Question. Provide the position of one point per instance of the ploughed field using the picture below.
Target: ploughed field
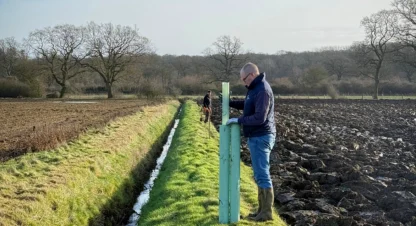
(35, 125)
(343, 162)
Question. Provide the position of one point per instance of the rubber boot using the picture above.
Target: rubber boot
(266, 213)
(253, 215)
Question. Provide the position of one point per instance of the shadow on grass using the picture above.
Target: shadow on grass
(118, 208)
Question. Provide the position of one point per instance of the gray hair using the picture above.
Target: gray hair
(250, 68)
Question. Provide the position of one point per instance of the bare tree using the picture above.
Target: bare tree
(60, 49)
(405, 60)
(183, 65)
(406, 10)
(336, 62)
(225, 58)
(10, 53)
(380, 29)
(268, 65)
(111, 49)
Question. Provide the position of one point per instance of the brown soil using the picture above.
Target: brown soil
(36, 125)
(343, 162)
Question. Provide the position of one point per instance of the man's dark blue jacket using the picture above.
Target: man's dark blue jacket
(258, 106)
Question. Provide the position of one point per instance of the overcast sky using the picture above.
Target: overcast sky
(190, 26)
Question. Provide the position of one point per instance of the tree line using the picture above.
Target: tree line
(112, 59)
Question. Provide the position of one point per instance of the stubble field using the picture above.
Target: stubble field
(29, 126)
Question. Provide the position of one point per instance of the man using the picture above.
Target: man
(207, 105)
(259, 128)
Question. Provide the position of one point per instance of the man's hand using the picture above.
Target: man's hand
(232, 120)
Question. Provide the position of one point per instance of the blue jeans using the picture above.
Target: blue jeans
(260, 148)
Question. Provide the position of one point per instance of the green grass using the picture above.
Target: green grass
(186, 191)
(91, 181)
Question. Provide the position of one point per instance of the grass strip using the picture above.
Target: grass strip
(186, 191)
(91, 181)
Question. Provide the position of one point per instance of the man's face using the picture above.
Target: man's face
(247, 78)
